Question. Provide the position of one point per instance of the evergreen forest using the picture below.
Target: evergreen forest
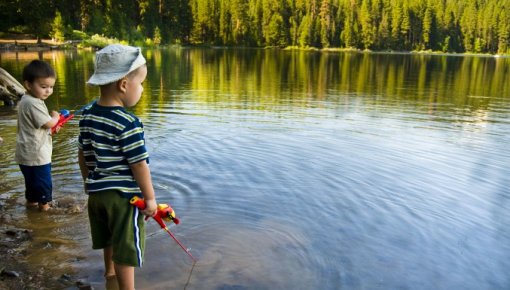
(459, 26)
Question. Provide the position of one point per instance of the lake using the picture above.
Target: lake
(297, 170)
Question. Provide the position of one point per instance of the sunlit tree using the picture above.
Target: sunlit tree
(58, 28)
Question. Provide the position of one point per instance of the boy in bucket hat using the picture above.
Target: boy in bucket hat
(114, 162)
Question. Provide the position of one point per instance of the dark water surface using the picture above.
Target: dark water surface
(299, 170)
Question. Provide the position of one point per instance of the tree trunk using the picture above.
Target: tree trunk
(10, 89)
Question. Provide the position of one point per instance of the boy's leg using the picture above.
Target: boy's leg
(38, 185)
(28, 176)
(111, 282)
(101, 236)
(109, 270)
(125, 276)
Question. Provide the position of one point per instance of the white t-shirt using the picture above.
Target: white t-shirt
(33, 143)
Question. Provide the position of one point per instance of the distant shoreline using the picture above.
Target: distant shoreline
(33, 45)
(29, 44)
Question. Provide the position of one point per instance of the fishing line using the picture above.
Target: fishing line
(192, 265)
(189, 276)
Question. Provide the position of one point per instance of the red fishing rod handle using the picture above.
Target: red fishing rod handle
(138, 202)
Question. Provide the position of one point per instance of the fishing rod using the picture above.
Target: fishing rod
(65, 115)
(164, 212)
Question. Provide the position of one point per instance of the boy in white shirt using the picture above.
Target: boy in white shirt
(33, 141)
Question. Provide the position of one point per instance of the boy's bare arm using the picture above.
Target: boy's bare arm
(83, 166)
(53, 121)
(142, 175)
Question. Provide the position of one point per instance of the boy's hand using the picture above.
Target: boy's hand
(54, 120)
(151, 207)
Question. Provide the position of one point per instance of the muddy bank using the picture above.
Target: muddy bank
(41, 250)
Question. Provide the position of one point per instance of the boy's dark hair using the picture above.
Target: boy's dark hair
(37, 69)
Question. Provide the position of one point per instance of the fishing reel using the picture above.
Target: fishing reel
(164, 211)
(63, 116)
(167, 213)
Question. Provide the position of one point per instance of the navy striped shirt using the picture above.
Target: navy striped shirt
(111, 139)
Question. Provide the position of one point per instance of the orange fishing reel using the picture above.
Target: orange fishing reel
(167, 213)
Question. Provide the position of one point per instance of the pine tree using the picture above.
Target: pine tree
(367, 28)
(58, 28)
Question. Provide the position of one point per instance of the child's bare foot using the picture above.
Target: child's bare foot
(44, 206)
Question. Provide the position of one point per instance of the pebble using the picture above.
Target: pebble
(8, 273)
(82, 285)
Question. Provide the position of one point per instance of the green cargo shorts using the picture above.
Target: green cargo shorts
(115, 222)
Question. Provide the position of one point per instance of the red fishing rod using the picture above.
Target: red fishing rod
(164, 212)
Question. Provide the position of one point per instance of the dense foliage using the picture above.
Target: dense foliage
(438, 25)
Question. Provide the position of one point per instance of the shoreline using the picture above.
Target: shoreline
(29, 44)
(15, 45)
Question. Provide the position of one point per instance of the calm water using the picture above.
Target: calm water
(299, 170)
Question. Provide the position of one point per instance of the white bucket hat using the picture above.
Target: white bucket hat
(115, 62)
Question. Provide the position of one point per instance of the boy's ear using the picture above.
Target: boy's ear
(122, 85)
(27, 85)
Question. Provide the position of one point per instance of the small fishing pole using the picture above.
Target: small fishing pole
(65, 115)
(164, 212)
(81, 108)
